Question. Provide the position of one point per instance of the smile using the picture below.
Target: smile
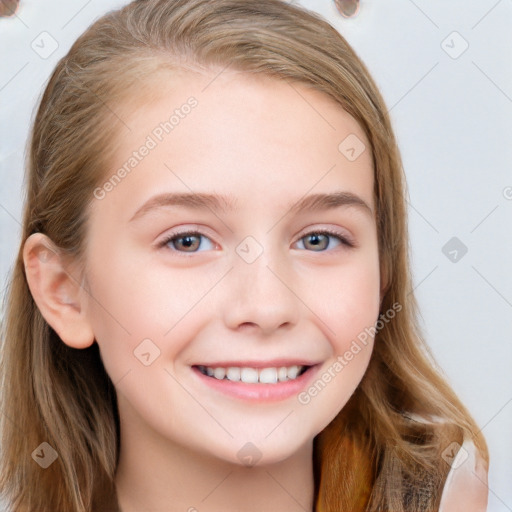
(253, 375)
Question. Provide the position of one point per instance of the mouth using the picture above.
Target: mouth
(257, 382)
(250, 375)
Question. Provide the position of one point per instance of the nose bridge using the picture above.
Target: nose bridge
(259, 290)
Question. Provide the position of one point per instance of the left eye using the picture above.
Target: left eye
(320, 240)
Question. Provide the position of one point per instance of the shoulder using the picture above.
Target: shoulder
(465, 488)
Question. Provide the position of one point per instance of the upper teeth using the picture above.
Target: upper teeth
(253, 375)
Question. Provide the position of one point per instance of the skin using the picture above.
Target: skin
(267, 143)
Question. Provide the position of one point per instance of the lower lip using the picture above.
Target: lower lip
(259, 392)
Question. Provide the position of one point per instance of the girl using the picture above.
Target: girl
(212, 307)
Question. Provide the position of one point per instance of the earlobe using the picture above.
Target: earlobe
(57, 293)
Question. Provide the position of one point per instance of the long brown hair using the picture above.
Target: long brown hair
(375, 455)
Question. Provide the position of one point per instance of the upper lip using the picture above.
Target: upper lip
(274, 363)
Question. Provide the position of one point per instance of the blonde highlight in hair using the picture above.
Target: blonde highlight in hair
(375, 455)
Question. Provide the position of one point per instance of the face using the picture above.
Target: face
(254, 280)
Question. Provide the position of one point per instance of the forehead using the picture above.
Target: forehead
(254, 135)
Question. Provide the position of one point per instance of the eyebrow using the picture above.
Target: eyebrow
(317, 202)
(198, 201)
(221, 203)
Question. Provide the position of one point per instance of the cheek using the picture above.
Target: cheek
(132, 301)
(350, 300)
(125, 308)
(349, 310)
(355, 309)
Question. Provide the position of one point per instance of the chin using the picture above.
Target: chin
(264, 452)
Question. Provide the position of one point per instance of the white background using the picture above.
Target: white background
(453, 118)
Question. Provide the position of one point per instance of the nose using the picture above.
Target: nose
(259, 296)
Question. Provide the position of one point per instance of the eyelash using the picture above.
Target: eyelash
(177, 235)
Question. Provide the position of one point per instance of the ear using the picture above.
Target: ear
(57, 293)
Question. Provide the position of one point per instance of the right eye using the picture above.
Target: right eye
(185, 241)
